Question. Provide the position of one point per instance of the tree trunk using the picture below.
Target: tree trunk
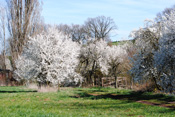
(39, 85)
(155, 82)
(102, 82)
(116, 82)
(4, 47)
(21, 21)
(93, 81)
(58, 86)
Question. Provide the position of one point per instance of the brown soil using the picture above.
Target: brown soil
(156, 104)
(170, 105)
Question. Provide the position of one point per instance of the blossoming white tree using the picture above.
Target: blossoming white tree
(155, 57)
(91, 56)
(97, 57)
(49, 57)
(165, 57)
(146, 41)
(115, 56)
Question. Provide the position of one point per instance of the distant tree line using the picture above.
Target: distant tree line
(97, 28)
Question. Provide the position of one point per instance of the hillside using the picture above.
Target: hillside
(121, 42)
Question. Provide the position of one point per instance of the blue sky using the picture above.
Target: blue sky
(127, 14)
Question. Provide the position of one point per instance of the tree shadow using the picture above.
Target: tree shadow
(132, 97)
(17, 91)
(94, 89)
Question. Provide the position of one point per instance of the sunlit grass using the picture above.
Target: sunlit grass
(17, 101)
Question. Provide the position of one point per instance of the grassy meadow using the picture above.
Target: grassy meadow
(83, 102)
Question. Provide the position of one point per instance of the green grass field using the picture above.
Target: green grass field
(80, 102)
(122, 42)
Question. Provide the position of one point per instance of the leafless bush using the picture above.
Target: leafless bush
(42, 88)
(145, 87)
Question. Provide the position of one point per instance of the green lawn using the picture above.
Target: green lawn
(79, 102)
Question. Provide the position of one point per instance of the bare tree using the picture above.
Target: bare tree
(22, 18)
(114, 69)
(100, 27)
(78, 33)
(94, 28)
(3, 34)
(75, 32)
(65, 29)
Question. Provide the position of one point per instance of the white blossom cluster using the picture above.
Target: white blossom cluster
(165, 57)
(155, 57)
(49, 57)
(102, 54)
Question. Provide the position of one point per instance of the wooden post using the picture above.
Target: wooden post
(126, 82)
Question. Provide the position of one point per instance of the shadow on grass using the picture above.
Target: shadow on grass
(17, 91)
(95, 90)
(132, 96)
(141, 97)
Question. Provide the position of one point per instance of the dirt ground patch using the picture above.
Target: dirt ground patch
(168, 104)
